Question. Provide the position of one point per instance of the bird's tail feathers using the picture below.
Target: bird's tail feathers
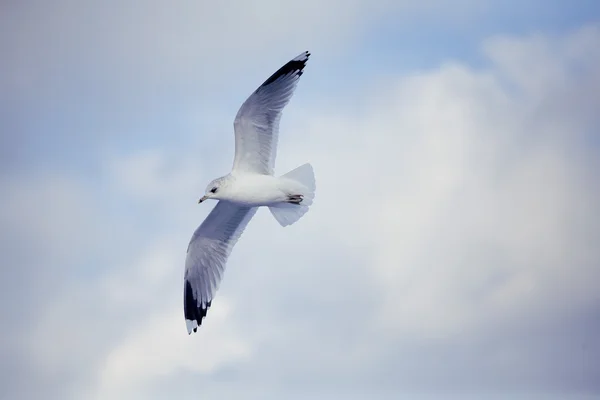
(288, 213)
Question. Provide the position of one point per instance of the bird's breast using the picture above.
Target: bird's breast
(255, 191)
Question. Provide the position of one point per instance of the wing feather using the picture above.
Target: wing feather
(256, 124)
(207, 255)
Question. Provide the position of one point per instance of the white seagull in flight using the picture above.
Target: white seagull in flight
(249, 185)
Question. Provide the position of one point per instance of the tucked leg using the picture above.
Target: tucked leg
(294, 198)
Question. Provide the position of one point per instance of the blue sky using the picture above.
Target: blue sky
(461, 263)
(390, 45)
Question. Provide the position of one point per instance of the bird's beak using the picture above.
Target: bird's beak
(202, 199)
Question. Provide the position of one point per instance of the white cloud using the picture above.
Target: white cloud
(461, 209)
(454, 213)
(53, 235)
(158, 347)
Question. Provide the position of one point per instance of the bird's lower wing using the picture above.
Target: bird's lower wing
(207, 255)
(256, 124)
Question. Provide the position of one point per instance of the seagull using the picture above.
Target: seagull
(250, 184)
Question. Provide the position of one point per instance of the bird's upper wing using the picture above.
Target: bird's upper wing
(207, 255)
(256, 124)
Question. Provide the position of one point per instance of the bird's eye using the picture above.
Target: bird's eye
(213, 190)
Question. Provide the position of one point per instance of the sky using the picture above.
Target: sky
(451, 251)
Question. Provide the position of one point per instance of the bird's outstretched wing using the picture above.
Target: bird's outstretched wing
(207, 255)
(256, 124)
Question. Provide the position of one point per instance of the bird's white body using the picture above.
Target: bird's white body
(250, 184)
(252, 190)
(256, 190)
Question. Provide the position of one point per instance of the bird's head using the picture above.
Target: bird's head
(212, 190)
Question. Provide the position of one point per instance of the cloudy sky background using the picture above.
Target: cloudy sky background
(452, 250)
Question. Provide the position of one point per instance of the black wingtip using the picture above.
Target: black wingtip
(293, 67)
(193, 312)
